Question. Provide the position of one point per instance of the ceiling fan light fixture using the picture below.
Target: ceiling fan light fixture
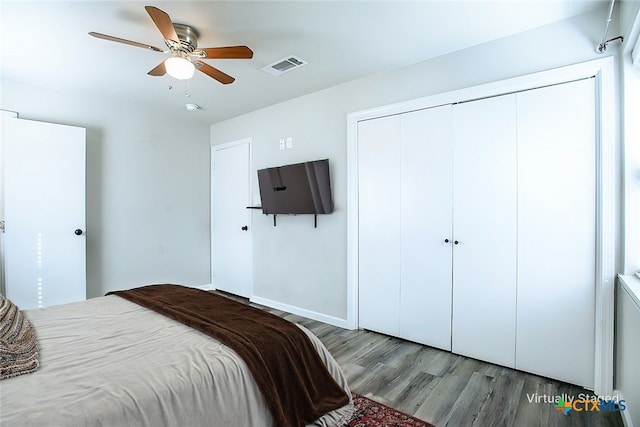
(179, 68)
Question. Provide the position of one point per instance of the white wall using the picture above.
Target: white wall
(627, 372)
(303, 267)
(627, 376)
(630, 23)
(147, 187)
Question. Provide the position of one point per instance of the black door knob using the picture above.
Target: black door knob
(245, 228)
(78, 232)
(446, 240)
(455, 242)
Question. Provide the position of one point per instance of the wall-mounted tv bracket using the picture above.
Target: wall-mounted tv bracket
(315, 220)
(315, 216)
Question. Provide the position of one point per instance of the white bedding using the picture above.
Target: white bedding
(109, 362)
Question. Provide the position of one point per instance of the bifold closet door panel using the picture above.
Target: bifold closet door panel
(484, 218)
(379, 225)
(426, 199)
(557, 232)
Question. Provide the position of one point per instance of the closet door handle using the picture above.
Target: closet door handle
(446, 240)
(455, 242)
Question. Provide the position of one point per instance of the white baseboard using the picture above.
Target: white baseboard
(309, 314)
(626, 414)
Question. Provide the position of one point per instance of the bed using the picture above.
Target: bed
(109, 361)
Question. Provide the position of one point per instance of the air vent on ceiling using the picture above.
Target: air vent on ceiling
(282, 66)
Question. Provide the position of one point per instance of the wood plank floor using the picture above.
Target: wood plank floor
(443, 388)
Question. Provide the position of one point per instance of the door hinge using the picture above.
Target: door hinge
(1, 226)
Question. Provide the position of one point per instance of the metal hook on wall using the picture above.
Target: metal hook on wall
(602, 47)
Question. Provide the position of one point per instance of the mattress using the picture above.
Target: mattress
(98, 370)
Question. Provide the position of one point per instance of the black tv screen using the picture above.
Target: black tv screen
(301, 188)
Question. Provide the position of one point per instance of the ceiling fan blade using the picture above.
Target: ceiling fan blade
(213, 72)
(163, 22)
(129, 42)
(229, 52)
(159, 70)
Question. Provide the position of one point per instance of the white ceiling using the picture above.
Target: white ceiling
(45, 43)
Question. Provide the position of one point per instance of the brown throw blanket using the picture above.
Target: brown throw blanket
(18, 345)
(294, 381)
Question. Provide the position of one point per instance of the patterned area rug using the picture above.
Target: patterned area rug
(369, 413)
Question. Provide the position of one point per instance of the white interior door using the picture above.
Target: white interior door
(232, 266)
(426, 218)
(557, 231)
(484, 212)
(44, 198)
(379, 225)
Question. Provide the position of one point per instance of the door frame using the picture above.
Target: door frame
(603, 71)
(249, 142)
(4, 114)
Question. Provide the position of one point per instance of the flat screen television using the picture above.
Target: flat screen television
(301, 188)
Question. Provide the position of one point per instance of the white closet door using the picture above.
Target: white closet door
(484, 265)
(557, 231)
(425, 297)
(379, 227)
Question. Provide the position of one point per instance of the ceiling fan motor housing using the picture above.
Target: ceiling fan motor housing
(188, 40)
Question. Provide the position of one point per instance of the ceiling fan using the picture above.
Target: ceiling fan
(182, 41)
